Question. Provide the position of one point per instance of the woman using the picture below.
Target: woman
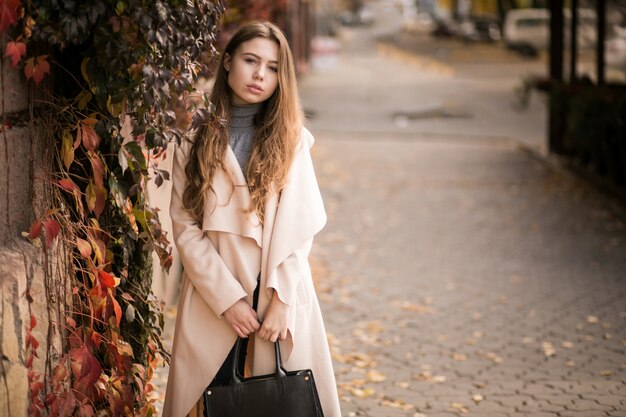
(246, 205)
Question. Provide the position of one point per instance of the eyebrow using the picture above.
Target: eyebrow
(257, 56)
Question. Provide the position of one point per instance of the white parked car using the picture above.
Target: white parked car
(529, 29)
(615, 51)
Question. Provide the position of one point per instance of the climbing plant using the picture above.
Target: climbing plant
(108, 81)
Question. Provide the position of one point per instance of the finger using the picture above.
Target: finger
(239, 332)
(274, 337)
(283, 335)
(254, 325)
(261, 332)
(246, 328)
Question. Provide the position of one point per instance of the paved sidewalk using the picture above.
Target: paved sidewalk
(465, 278)
(459, 274)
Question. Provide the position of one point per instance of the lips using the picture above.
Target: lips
(255, 88)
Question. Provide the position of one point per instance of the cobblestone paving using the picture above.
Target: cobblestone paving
(461, 278)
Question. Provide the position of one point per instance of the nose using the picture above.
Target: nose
(260, 74)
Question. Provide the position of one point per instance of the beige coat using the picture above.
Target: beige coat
(222, 262)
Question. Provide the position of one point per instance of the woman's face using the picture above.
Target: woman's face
(252, 71)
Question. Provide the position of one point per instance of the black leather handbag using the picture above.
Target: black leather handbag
(281, 394)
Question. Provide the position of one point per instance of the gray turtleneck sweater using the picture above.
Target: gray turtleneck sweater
(241, 132)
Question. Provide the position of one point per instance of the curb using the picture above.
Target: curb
(560, 163)
(429, 64)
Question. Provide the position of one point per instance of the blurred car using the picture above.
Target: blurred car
(528, 30)
(364, 16)
(615, 49)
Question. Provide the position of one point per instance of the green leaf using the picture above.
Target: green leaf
(120, 7)
(135, 151)
(83, 98)
(67, 148)
(90, 195)
(83, 69)
(117, 191)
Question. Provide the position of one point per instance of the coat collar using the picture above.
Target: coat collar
(226, 206)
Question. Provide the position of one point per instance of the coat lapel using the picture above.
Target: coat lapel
(225, 208)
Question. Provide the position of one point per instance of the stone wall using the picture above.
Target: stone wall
(21, 263)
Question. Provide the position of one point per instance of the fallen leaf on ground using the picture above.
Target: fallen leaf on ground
(592, 319)
(494, 358)
(477, 398)
(567, 345)
(415, 308)
(459, 357)
(548, 349)
(570, 364)
(376, 376)
(459, 407)
(393, 403)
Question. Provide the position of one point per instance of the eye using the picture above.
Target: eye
(274, 69)
(250, 60)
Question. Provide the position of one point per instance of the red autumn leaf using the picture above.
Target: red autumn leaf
(98, 169)
(85, 367)
(15, 50)
(101, 195)
(29, 361)
(35, 230)
(33, 321)
(89, 136)
(59, 373)
(116, 308)
(83, 247)
(67, 184)
(70, 322)
(36, 68)
(35, 387)
(52, 230)
(31, 341)
(96, 338)
(126, 296)
(105, 279)
(68, 405)
(8, 13)
(85, 410)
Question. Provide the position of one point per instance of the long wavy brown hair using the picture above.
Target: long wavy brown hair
(277, 129)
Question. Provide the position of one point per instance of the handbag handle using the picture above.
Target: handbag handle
(280, 371)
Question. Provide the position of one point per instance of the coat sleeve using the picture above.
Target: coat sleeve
(204, 267)
(285, 279)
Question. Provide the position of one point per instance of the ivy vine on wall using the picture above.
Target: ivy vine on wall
(106, 73)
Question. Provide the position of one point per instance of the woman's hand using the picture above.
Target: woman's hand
(274, 325)
(242, 318)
